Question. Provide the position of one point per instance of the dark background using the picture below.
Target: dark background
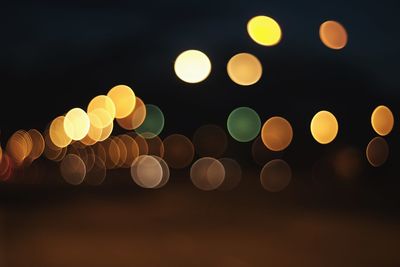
(56, 55)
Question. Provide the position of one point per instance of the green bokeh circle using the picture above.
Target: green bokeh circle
(153, 123)
(244, 124)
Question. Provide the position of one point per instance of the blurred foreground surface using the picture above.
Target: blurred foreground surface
(179, 225)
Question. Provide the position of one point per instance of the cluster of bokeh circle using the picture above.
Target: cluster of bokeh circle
(81, 140)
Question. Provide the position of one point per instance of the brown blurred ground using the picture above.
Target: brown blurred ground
(181, 226)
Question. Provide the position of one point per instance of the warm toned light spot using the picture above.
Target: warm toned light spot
(105, 103)
(124, 100)
(324, 127)
(277, 133)
(132, 150)
(95, 130)
(179, 151)
(382, 120)
(207, 174)
(37, 144)
(244, 124)
(244, 69)
(377, 151)
(142, 145)
(100, 118)
(123, 152)
(210, 141)
(76, 124)
(106, 132)
(264, 30)
(146, 171)
(57, 133)
(112, 153)
(73, 169)
(275, 175)
(192, 66)
(166, 172)
(18, 147)
(135, 118)
(333, 34)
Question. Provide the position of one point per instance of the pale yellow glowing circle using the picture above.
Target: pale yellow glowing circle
(324, 127)
(244, 69)
(264, 30)
(382, 120)
(333, 34)
(57, 133)
(103, 102)
(76, 124)
(124, 100)
(192, 66)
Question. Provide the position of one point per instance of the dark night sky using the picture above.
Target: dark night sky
(56, 55)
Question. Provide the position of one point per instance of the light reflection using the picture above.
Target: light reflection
(377, 151)
(207, 173)
(147, 172)
(73, 169)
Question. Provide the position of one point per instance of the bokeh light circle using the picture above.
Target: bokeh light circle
(76, 124)
(275, 175)
(377, 151)
(146, 171)
(324, 127)
(277, 133)
(73, 169)
(37, 144)
(382, 120)
(333, 34)
(179, 151)
(124, 100)
(207, 173)
(153, 123)
(192, 66)
(135, 118)
(105, 103)
(244, 124)
(244, 69)
(264, 30)
(57, 133)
